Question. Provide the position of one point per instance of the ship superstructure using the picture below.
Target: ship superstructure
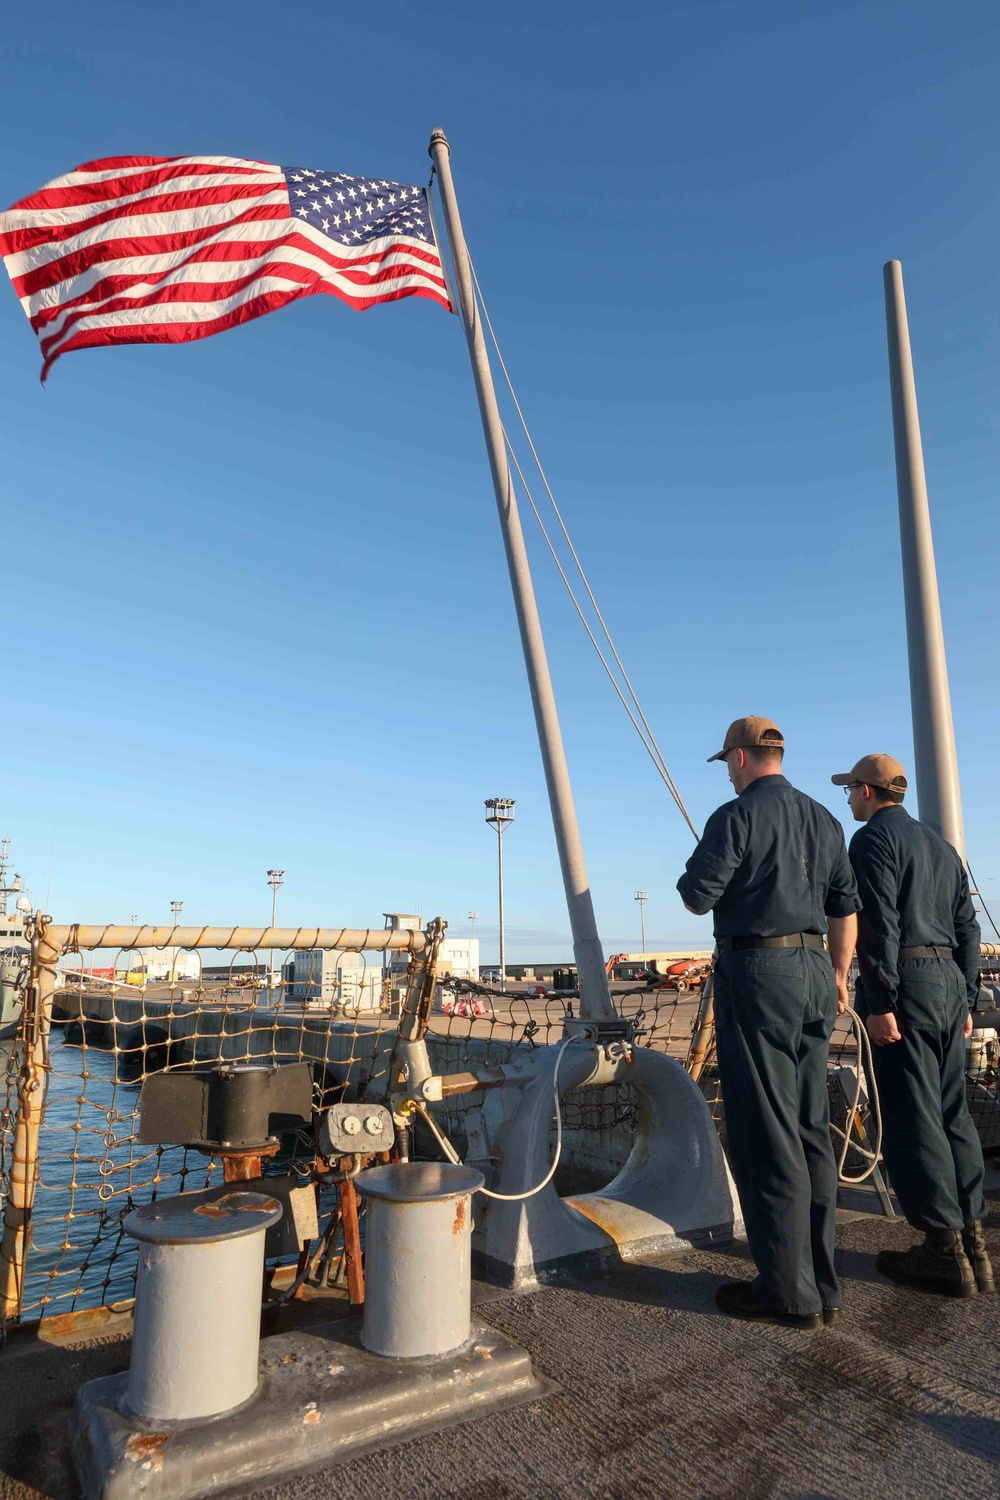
(15, 909)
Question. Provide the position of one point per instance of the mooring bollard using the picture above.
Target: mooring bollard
(196, 1335)
(418, 1258)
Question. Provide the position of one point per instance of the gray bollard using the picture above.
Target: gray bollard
(418, 1258)
(196, 1335)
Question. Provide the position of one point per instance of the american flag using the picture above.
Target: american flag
(154, 249)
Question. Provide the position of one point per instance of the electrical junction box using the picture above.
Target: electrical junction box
(356, 1130)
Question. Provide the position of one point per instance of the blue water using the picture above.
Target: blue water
(92, 1173)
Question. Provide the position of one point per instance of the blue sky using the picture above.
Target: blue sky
(254, 598)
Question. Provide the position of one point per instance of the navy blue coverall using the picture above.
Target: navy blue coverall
(773, 863)
(915, 894)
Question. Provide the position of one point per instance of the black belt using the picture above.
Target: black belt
(926, 953)
(792, 940)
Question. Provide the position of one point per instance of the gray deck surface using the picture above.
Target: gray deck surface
(661, 1396)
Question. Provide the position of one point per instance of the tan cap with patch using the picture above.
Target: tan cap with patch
(751, 733)
(882, 771)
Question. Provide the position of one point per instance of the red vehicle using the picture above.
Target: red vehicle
(687, 974)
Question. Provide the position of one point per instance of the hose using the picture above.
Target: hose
(453, 1155)
(872, 1157)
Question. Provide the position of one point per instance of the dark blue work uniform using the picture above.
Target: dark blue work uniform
(773, 863)
(915, 894)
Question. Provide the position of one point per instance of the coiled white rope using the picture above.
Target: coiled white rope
(872, 1157)
(453, 1155)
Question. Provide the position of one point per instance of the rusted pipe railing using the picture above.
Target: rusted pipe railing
(420, 991)
(33, 1044)
(75, 937)
(704, 1028)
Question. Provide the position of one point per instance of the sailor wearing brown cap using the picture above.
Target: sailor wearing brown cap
(773, 869)
(918, 953)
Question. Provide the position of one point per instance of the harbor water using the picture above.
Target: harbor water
(92, 1173)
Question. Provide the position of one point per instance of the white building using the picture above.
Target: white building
(459, 957)
(324, 979)
(165, 963)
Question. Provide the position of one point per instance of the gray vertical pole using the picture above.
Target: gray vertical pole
(274, 923)
(935, 757)
(595, 996)
(503, 946)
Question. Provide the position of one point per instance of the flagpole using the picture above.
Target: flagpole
(935, 756)
(595, 994)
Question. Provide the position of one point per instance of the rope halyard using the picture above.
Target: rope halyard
(645, 733)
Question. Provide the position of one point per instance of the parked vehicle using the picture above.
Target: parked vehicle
(688, 974)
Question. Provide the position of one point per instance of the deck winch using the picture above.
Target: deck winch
(234, 1110)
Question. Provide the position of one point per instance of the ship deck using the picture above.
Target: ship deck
(659, 1395)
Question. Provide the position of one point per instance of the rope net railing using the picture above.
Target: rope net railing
(489, 1027)
(117, 1016)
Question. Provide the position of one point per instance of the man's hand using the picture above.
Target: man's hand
(883, 1029)
(967, 1028)
(842, 938)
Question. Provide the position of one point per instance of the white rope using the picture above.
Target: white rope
(872, 1157)
(652, 748)
(453, 1155)
(648, 738)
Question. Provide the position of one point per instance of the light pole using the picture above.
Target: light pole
(642, 897)
(275, 879)
(500, 813)
(473, 918)
(176, 908)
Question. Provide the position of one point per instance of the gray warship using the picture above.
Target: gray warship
(14, 946)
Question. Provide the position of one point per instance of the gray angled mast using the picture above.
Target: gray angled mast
(934, 753)
(595, 995)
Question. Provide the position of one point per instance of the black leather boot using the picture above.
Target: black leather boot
(974, 1242)
(939, 1265)
(738, 1299)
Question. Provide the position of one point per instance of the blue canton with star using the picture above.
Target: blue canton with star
(356, 210)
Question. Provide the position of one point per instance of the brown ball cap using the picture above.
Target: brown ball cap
(881, 771)
(751, 733)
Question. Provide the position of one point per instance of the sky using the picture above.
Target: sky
(255, 605)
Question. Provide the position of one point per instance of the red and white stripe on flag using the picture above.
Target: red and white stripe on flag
(148, 249)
